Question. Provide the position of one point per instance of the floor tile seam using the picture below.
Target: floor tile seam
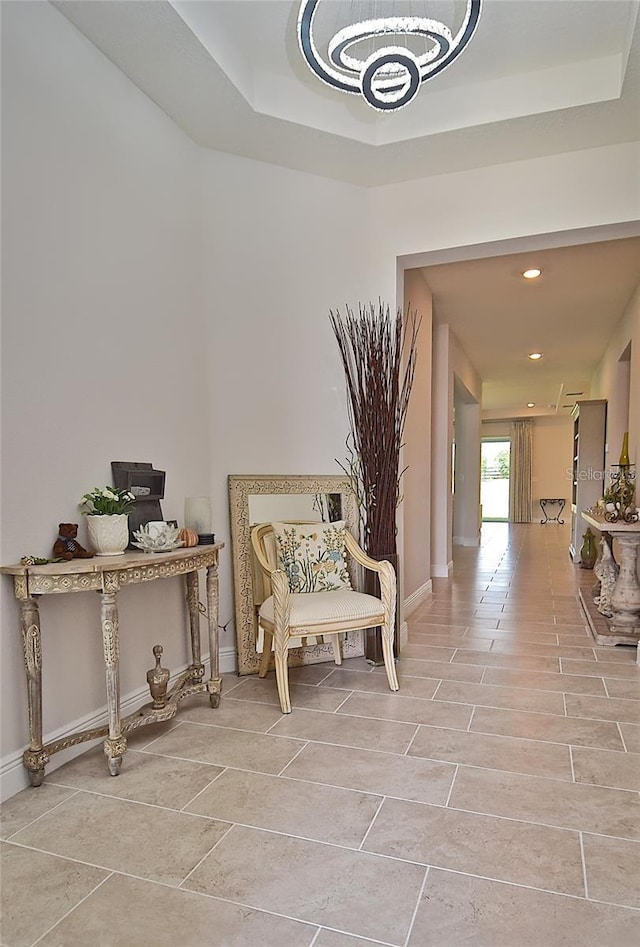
(415, 734)
(372, 822)
(295, 757)
(362, 937)
(506, 772)
(584, 867)
(599, 719)
(73, 908)
(477, 704)
(78, 861)
(316, 841)
(246, 904)
(555, 779)
(190, 759)
(621, 734)
(523, 687)
(150, 805)
(216, 726)
(417, 906)
(204, 789)
(356, 692)
(406, 723)
(539, 689)
(446, 805)
(323, 785)
(575, 830)
(589, 746)
(50, 781)
(257, 827)
(473, 713)
(231, 826)
(353, 789)
(571, 673)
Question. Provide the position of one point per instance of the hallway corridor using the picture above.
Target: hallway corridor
(492, 802)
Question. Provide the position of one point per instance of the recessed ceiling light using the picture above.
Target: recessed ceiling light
(531, 404)
(533, 273)
(534, 356)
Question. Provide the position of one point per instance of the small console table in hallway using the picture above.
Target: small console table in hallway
(624, 624)
(552, 501)
(106, 575)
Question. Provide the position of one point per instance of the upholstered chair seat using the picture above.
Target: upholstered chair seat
(306, 570)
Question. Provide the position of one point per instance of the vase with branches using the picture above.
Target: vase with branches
(378, 350)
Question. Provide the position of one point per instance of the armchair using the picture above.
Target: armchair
(285, 614)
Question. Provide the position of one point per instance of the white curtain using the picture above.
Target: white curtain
(520, 471)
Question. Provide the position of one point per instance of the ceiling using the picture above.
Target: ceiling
(539, 77)
(568, 314)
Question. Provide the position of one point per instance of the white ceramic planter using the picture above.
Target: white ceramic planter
(109, 535)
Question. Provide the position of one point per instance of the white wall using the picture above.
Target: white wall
(606, 383)
(281, 249)
(120, 238)
(552, 463)
(103, 341)
(416, 482)
(596, 187)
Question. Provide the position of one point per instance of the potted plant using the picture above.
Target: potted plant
(107, 511)
(378, 353)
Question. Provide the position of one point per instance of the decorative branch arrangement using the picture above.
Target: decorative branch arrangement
(378, 353)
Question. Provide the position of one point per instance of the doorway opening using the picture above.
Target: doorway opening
(495, 461)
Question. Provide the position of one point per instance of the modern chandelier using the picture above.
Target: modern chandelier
(360, 59)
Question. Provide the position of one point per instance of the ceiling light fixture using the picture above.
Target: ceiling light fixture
(531, 404)
(534, 356)
(389, 77)
(532, 273)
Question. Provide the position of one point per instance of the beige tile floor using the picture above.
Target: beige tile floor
(493, 801)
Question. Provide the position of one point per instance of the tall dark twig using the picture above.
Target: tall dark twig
(378, 353)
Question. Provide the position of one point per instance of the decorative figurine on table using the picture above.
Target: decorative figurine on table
(67, 546)
(589, 550)
(606, 569)
(622, 491)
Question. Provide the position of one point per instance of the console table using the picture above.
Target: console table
(624, 624)
(106, 575)
(544, 502)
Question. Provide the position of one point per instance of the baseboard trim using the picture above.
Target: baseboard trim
(442, 571)
(417, 598)
(466, 540)
(13, 775)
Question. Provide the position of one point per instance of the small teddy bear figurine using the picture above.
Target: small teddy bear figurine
(66, 545)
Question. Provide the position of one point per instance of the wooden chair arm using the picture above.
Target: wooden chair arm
(374, 565)
(281, 600)
(263, 562)
(386, 574)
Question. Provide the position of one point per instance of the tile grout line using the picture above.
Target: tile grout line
(110, 874)
(371, 824)
(624, 744)
(584, 867)
(418, 902)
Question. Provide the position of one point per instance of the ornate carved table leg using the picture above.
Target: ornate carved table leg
(192, 593)
(625, 598)
(214, 684)
(35, 758)
(115, 744)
